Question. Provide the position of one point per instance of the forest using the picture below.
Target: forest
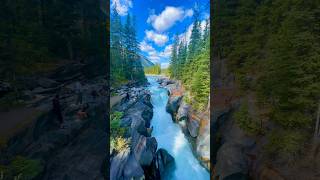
(156, 69)
(36, 36)
(46, 47)
(273, 48)
(190, 63)
(124, 51)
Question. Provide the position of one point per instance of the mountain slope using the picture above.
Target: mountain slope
(145, 61)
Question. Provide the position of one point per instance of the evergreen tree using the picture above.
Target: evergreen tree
(174, 60)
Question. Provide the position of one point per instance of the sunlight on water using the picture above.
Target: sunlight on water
(171, 138)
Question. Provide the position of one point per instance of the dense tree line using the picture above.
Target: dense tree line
(273, 47)
(37, 35)
(190, 63)
(124, 51)
(156, 69)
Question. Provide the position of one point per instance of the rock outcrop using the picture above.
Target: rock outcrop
(143, 160)
(78, 150)
(195, 125)
(173, 105)
(161, 164)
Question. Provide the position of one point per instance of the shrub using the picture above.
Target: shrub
(21, 168)
(245, 122)
(285, 143)
(116, 116)
(115, 128)
(119, 144)
(292, 119)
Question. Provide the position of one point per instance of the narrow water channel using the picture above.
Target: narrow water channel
(170, 137)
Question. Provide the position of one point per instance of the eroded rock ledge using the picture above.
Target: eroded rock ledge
(195, 125)
(142, 159)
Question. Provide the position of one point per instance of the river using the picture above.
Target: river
(170, 137)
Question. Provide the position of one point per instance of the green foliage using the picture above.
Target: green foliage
(190, 64)
(115, 129)
(117, 140)
(165, 72)
(286, 143)
(125, 62)
(273, 47)
(245, 122)
(156, 69)
(200, 82)
(34, 37)
(22, 167)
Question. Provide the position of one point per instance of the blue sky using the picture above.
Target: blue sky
(157, 21)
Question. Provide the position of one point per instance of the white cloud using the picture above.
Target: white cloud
(186, 36)
(154, 58)
(159, 39)
(188, 13)
(168, 17)
(122, 6)
(203, 26)
(154, 55)
(146, 47)
(166, 53)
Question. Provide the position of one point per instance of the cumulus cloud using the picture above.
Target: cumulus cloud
(186, 36)
(159, 39)
(168, 17)
(166, 53)
(203, 26)
(122, 6)
(154, 58)
(144, 46)
(154, 55)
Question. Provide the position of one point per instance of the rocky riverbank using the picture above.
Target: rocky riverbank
(76, 151)
(141, 159)
(195, 125)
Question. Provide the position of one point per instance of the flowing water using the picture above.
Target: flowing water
(170, 137)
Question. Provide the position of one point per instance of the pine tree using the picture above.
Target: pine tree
(174, 59)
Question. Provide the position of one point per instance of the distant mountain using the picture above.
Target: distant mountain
(145, 61)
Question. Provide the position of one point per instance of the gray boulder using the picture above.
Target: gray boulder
(133, 169)
(118, 164)
(193, 127)
(173, 104)
(144, 148)
(163, 160)
(230, 160)
(183, 112)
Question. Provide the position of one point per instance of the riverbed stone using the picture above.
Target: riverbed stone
(193, 127)
(132, 169)
(163, 160)
(144, 148)
(118, 164)
(183, 111)
(173, 104)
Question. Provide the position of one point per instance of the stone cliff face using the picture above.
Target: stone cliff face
(142, 159)
(196, 125)
(76, 151)
(231, 145)
(235, 153)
